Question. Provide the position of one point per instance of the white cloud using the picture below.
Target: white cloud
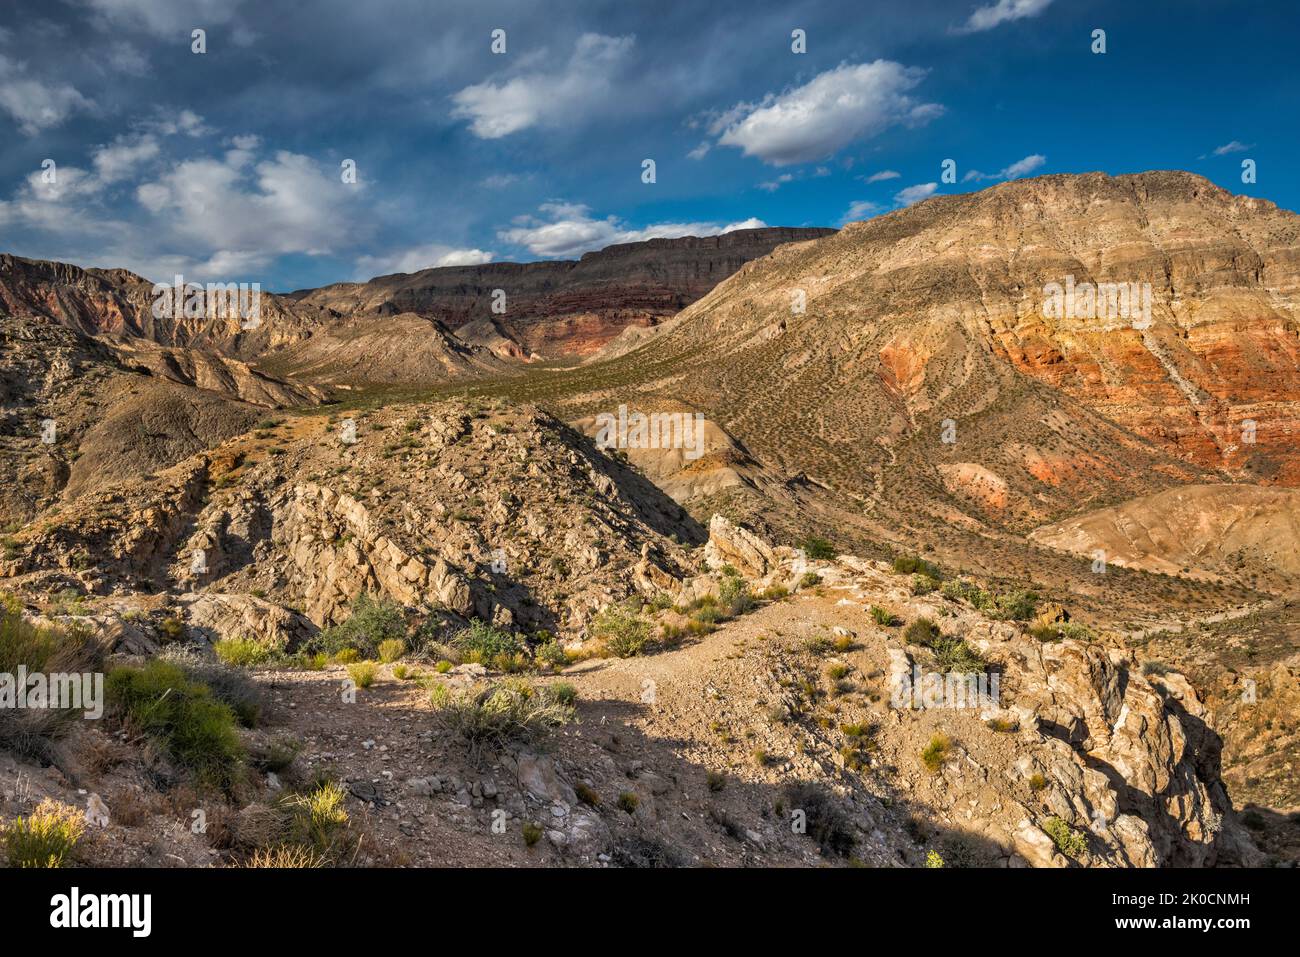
(419, 257)
(1004, 11)
(164, 18)
(773, 185)
(835, 108)
(1233, 147)
(539, 98)
(700, 151)
(883, 175)
(34, 104)
(169, 124)
(861, 209)
(123, 157)
(914, 194)
(1017, 169)
(567, 229)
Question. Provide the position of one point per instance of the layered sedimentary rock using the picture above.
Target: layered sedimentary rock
(565, 307)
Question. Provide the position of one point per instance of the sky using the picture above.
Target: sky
(319, 142)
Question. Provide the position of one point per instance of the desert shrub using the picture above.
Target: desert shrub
(228, 684)
(933, 858)
(907, 565)
(1037, 782)
(1018, 605)
(629, 802)
(274, 756)
(318, 820)
(401, 672)
(500, 714)
(390, 649)
(773, 593)
(734, 595)
(363, 673)
(345, 656)
(837, 671)
(443, 666)
(934, 754)
(623, 632)
(642, 852)
(284, 857)
(1157, 668)
(532, 833)
(1002, 725)
(715, 780)
(924, 584)
(955, 656)
(242, 652)
(586, 794)
(921, 632)
(369, 622)
(196, 730)
(883, 617)
(1068, 841)
(810, 580)
(818, 549)
(32, 732)
(485, 642)
(561, 693)
(825, 822)
(46, 837)
(551, 654)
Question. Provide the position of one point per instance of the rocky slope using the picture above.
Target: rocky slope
(785, 737)
(562, 307)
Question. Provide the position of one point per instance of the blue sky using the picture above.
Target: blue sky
(227, 164)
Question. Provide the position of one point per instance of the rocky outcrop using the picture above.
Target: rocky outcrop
(729, 544)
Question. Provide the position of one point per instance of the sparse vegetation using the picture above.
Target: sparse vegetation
(509, 711)
(936, 752)
(195, 729)
(622, 631)
(45, 838)
(363, 673)
(242, 652)
(391, 649)
(370, 622)
(1068, 841)
(818, 549)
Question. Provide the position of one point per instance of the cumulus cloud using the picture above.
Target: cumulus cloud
(36, 104)
(914, 194)
(419, 257)
(124, 157)
(1004, 11)
(835, 108)
(284, 204)
(1020, 167)
(568, 229)
(861, 209)
(540, 98)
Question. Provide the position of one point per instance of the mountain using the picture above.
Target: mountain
(564, 307)
(925, 373)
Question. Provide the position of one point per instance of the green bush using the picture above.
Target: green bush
(910, 565)
(734, 595)
(230, 685)
(318, 820)
(195, 729)
(883, 617)
(623, 631)
(390, 649)
(46, 838)
(363, 673)
(818, 549)
(370, 622)
(484, 642)
(934, 754)
(1068, 841)
(243, 652)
